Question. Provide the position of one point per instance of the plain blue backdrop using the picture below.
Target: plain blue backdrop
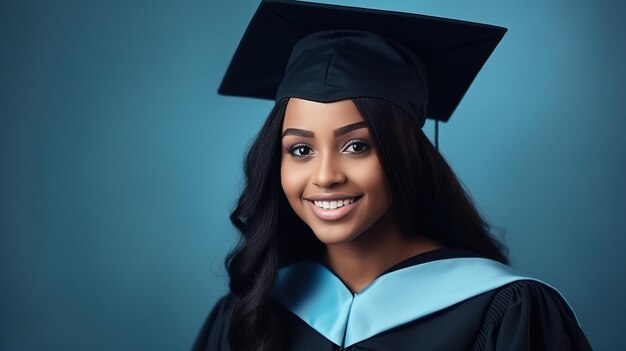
(119, 163)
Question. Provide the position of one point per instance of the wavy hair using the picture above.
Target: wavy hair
(428, 200)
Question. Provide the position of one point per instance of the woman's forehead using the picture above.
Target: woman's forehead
(312, 115)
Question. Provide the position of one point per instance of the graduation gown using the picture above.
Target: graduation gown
(441, 300)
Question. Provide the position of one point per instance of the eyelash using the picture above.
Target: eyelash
(295, 147)
(366, 146)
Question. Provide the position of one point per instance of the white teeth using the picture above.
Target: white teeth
(331, 205)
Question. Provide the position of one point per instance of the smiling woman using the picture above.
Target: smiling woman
(333, 180)
(330, 174)
(356, 234)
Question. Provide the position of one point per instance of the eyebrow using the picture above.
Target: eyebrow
(337, 132)
(298, 132)
(349, 128)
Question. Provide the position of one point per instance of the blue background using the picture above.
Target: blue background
(119, 163)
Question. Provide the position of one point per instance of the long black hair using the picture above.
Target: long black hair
(428, 200)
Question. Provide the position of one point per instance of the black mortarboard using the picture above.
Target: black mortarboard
(327, 53)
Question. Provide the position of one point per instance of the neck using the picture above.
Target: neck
(360, 261)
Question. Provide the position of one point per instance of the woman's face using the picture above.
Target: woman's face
(329, 170)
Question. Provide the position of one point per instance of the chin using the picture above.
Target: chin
(335, 236)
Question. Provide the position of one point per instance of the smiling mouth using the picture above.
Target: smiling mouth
(333, 209)
(331, 205)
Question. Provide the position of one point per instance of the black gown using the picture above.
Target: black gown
(522, 315)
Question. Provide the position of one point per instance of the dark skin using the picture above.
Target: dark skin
(328, 157)
(359, 263)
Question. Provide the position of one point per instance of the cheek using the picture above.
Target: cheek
(292, 181)
(381, 194)
(373, 181)
(382, 188)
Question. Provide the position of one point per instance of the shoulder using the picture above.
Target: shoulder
(528, 314)
(214, 332)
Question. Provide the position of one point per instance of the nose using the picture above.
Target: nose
(328, 172)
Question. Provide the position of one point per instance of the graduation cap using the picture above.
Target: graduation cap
(327, 53)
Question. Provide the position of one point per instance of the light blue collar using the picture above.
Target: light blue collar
(318, 297)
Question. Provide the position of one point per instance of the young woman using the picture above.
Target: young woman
(356, 234)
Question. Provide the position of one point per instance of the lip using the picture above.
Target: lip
(333, 196)
(334, 214)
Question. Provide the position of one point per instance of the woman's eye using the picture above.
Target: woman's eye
(356, 147)
(300, 150)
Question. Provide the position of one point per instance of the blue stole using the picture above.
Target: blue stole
(318, 297)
